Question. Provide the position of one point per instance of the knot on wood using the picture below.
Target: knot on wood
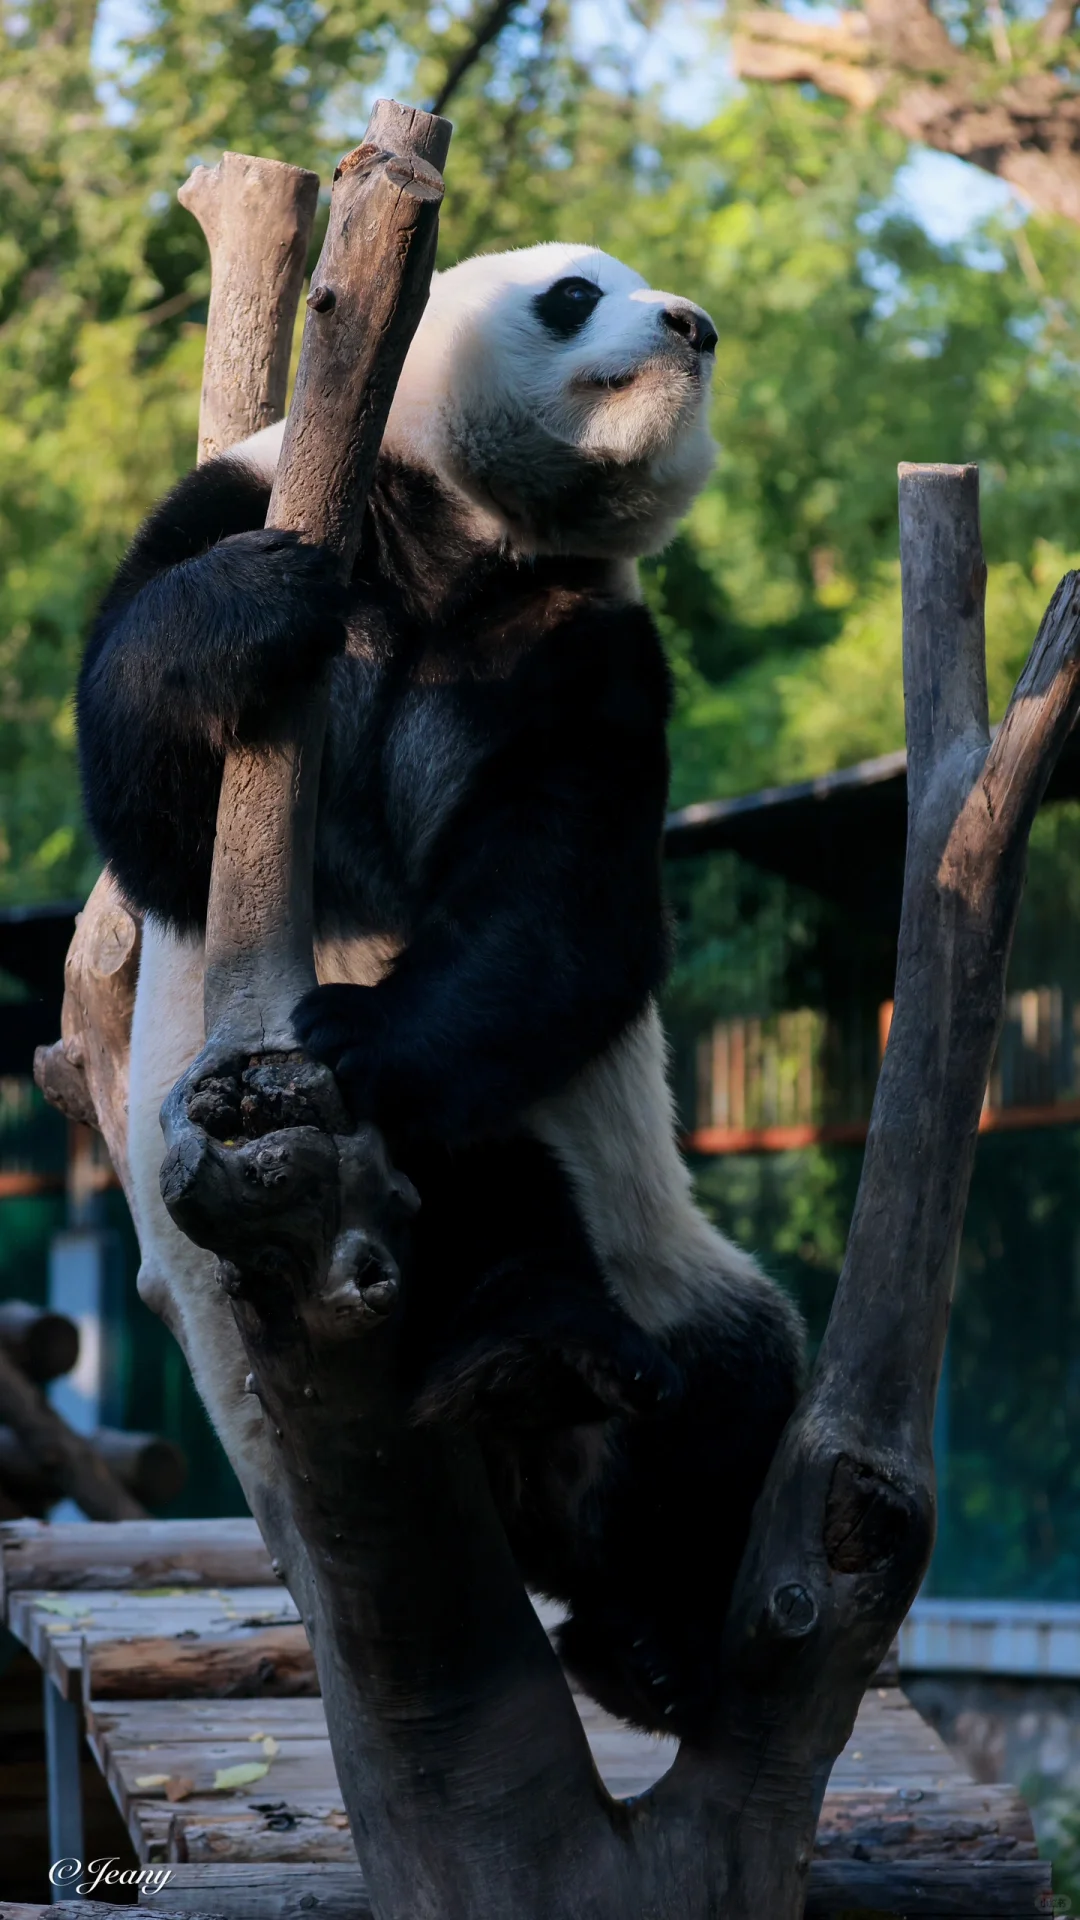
(792, 1611)
(363, 1280)
(236, 1101)
(870, 1523)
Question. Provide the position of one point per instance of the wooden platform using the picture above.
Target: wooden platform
(238, 1795)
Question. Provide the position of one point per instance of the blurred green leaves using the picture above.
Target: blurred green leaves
(847, 341)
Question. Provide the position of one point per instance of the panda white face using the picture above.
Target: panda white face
(565, 398)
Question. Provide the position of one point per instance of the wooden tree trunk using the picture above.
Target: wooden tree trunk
(461, 1759)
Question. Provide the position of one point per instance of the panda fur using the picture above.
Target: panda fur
(490, 929)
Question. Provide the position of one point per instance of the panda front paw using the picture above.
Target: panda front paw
(330, 1024)
(283, 600)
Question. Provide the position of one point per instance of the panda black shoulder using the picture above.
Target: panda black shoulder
(224, 497)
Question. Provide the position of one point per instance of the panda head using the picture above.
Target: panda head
(563, 397)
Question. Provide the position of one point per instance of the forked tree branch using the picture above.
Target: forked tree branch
(460, 1756)
(844, 1528)
(895, 58)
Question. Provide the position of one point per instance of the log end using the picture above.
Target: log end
(409, 130)
(64, 1083)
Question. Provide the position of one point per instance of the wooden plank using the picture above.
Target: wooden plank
(295, 1813)
(979, 1824)
(53, 1625)
(249, 1891)
(709, 1141)
(99, 1910)
(273, 1661)
(283, 1831)
(131, 1553)
(296, 1764)
(994, 1891)
(892, 1746)
(164, 1667)
(965, 1821)
(176, 1773)
(138, 1723)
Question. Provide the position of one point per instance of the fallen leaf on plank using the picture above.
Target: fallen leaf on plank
(242, 1776)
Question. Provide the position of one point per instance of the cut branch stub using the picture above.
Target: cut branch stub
(85, 1072)
(376, 263)
(262, 1166)
(257, 216)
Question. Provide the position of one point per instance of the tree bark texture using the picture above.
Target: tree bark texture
(274, 1663)
(85, 1072)
(368, 292)
(159, 1553)
(895, 58)
(257, 217)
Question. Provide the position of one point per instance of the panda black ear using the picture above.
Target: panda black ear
(566, 306)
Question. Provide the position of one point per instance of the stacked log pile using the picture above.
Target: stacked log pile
(109, 1474)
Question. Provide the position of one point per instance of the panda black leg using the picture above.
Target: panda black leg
(649, 1579)
(533, 1348)
(507, 1319)
(654, 1673)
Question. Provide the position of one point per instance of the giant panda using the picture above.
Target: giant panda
(490, 925)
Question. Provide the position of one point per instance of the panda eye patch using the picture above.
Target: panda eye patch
(566, 306)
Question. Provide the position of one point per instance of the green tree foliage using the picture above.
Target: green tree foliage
(848, 341)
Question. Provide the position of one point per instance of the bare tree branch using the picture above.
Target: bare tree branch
(843, 1530)
(896, 59)
(69, 1460)
(257, 217)
(488, 28)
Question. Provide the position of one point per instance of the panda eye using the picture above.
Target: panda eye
(565, 307)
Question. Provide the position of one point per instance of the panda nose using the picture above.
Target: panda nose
(691, 326)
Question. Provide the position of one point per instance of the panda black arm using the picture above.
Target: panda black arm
(544, 933)
(206, 630)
